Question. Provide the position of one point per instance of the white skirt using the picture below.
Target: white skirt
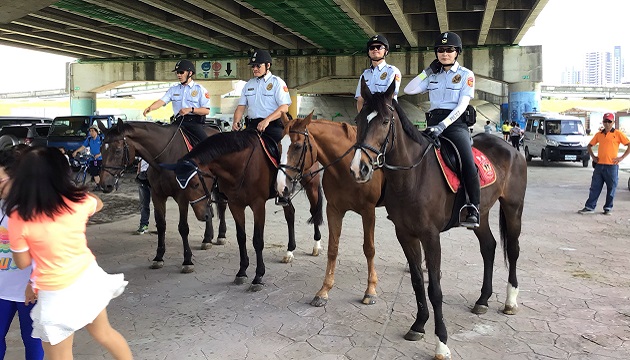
(59, 313)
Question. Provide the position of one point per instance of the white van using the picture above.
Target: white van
(554, 137)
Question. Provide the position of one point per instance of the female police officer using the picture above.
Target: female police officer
(380, 74)
(450, 88)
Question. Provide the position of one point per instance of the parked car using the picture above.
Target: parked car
(23, 120)
(35, 134)
(69, 132)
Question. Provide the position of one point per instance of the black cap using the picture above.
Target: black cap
(260, 57)
(184, 65)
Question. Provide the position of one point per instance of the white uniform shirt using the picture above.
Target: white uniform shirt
(263, 96)
(447, 87)
(191, 95)
(379, 78)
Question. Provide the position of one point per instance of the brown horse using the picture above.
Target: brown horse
(306, 142)
(240, 167)
(420, 204)
(156, 144)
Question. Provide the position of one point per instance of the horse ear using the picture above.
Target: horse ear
(366, 94)
(120, 124)
(390, 90)
(307, 119)
(285, 119)
(101, 127)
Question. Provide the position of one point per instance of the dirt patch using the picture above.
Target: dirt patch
(118, 204)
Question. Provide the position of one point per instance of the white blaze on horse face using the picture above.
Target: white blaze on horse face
(354, 165)
(371, 116)
(281, 178)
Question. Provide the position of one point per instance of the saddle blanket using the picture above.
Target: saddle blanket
(487, 175)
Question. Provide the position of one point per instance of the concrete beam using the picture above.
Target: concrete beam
(11, 10)
(529, 20)
(220, 8)
(488, 15)
(442, 15)
(71, 20)
(192, 14)
(350, 8)
(396, 8)
(157, 17)
(33, 47)
(84, 35)
(44, 44)
(28, 32)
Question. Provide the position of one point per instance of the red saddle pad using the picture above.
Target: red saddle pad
(487, 175)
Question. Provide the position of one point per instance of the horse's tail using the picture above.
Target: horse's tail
(504, 235)
(317, 214)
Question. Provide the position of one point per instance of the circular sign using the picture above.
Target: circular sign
(216, 66)
(205, 66)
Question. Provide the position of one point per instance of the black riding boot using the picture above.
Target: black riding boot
(472, 219)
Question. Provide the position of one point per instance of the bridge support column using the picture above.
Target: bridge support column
(294, 107)
(82, 103)
(523, 97)
(215, 104)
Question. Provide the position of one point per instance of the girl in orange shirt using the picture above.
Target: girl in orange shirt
(47, 222)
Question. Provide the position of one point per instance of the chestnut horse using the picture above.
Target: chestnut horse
(238, 164)
(307, 142)
(420, 204)
(156, 144)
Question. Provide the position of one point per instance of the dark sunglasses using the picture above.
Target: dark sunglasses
(377, 47)
(257, 66)
(181, 72)
(446, 50)
(608, 121)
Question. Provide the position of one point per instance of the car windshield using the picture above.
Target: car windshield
(70, 126)
(564, 127)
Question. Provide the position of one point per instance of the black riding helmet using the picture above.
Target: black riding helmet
(260, 57)
(377, 39)
(448, 39)
(184, 65)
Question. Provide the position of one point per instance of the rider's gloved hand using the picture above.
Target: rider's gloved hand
(434, 68)
(436, 130)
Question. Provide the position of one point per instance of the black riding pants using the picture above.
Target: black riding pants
(195, 129)
(459, 134)
(274, 129)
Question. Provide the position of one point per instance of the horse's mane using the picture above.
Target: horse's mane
(378, 103)
(407, 125)
(221, 144)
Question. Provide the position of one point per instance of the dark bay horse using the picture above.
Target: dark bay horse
(156, 144)
(307, 142)
(237, 162)
(420, 205)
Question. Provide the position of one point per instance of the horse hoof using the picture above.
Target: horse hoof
(187, 269)
(220, 241)
(206, 246)
(414, 335)
(479, 309)
(240, 280)
(510, 309)
(256, 287)
(319, 301)
(315, 252)
(369, 299)
(157, 265)
(288, 259)
(442, 357)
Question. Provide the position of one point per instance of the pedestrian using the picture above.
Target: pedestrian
(265, 97)
(606, 164)
(16, 293)
(93, 143)
(144, 195)
(380, 74)
(515, 135)
(48, 214)
(487, 128)
(450, 87)
(190, 101)
(505, 129)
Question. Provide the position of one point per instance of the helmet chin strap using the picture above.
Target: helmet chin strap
(266, 71)
(187, 79)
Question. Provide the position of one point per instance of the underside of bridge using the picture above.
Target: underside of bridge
(168, 29)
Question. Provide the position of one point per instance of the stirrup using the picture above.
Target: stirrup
(471, 221)
(283, 201)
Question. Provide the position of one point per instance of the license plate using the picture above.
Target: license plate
(570, 157)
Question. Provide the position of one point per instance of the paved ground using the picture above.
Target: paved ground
(573, 274)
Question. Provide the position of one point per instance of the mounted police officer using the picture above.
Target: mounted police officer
(265, 96)
(450, 87)
(189, 99)
(380, 74)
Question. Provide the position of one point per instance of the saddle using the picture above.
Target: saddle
(270, 147)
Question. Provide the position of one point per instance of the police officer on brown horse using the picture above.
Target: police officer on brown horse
(191, 102)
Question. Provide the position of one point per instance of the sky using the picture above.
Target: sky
(565, 28)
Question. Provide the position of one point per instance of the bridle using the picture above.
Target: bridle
(379, 161)
(201, 174)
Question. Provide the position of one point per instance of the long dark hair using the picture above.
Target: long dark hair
(41, 181)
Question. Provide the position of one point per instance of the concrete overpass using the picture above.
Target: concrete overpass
(318, 45)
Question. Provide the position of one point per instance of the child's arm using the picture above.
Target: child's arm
(99, 203)
(22, 259)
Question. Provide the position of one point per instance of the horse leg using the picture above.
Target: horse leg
(369, 219)
(221, 206)
(238, 213)
(413, 252)
(184, 230)
(289, 215)
(335, 221)
(259, 244)
(208, 233)
(510, 225)
(315, 196)
(487, 246)
(433, 253)
(159, 214)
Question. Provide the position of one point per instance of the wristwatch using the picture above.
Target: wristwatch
(192, 111)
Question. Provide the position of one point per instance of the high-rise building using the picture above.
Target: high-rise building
(571, 76)
(598, 68)
(618, 68)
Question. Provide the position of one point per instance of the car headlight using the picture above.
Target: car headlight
(552, 143)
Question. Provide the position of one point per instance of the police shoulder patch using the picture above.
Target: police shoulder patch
(207, 96)
(470, 82)
(285, 88)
